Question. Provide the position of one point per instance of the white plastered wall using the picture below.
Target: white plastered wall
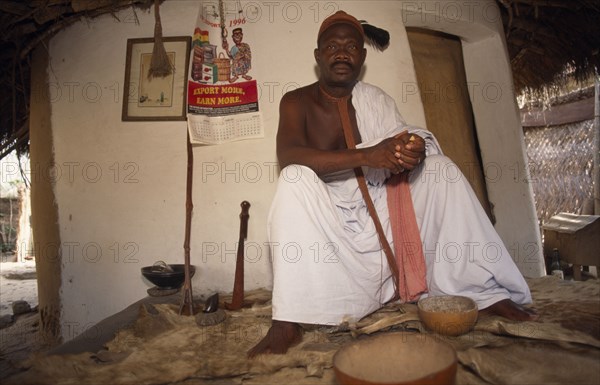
(120, 189)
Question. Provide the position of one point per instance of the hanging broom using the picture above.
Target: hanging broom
(160, 65)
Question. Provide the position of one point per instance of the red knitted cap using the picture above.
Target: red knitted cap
(340, 17)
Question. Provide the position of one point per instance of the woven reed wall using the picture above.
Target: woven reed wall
(560, 164)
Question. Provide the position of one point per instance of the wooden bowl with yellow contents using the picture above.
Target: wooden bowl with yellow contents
(448, 315)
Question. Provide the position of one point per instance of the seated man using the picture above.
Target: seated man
(328, 262)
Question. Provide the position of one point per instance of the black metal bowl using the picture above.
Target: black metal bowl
(167, 279)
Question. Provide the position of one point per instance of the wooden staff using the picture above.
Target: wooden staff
(237, 299)
(187, 299)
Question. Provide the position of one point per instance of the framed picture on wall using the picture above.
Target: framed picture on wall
(155, 98)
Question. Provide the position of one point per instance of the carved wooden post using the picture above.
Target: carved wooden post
(237, 299)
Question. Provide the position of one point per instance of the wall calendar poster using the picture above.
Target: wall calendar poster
(222, 97)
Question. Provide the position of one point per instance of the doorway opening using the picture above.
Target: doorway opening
(442, 81)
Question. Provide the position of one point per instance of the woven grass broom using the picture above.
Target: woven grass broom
(160, 65)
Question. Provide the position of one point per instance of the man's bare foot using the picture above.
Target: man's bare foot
(281, 336)
(508, 309)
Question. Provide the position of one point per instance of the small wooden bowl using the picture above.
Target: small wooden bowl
(449, 315)
(396, 359)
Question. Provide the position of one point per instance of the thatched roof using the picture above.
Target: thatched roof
(549, 39)
(544, 38)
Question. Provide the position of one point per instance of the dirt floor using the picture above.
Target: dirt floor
(18, 281)
(18, 334)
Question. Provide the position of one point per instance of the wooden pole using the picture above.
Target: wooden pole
(187, 299)
(596, 147)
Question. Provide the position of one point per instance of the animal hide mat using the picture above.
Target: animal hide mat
(162, 347)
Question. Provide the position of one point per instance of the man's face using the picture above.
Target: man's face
(237, 36)
(340, 55)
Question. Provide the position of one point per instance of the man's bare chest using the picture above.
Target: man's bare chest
(324, 128)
